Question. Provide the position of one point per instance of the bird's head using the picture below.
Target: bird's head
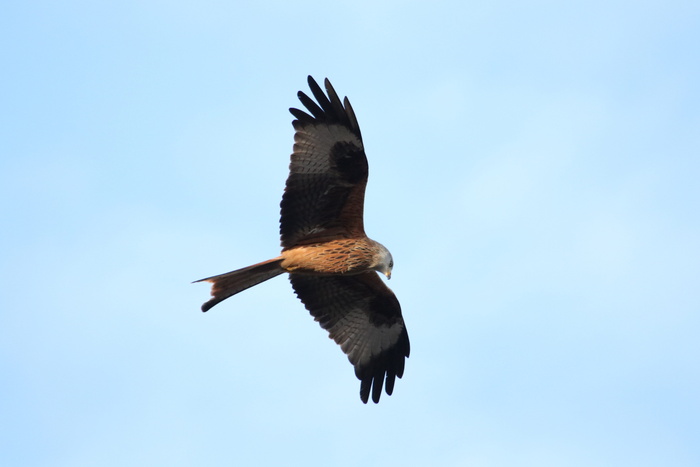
(384, 261)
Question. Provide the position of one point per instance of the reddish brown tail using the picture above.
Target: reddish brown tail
(226, 285)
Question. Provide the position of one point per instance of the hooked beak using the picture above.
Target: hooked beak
(388, 274)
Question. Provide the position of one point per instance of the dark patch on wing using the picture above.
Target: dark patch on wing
(350, 162)
(363, 316)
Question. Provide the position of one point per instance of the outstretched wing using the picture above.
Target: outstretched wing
(325, 190)
(363, 316)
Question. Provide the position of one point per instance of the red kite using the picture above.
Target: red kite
(331, 262)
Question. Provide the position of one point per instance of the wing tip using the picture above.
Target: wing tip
(373, 385)
(329, 107)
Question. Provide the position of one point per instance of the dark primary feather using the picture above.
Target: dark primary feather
(363, 316)
(324, 193)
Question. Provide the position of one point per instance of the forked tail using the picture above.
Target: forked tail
(226, 285)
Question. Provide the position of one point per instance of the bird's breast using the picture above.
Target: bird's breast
(346, 256)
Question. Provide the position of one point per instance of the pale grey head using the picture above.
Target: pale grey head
(383, 262)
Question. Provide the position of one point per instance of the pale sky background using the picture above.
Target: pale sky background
(534, 171)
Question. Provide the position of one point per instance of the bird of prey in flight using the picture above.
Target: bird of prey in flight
(331, 262)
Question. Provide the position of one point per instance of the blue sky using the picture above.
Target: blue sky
(534, 172)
